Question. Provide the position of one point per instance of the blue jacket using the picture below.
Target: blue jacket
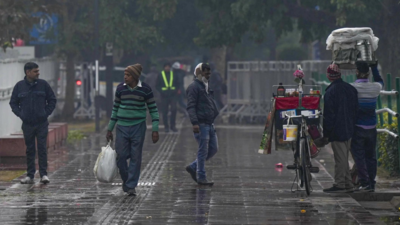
(200, 105)
(33, 102)
(340, 111)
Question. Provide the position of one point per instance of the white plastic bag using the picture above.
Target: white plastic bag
(105, 169)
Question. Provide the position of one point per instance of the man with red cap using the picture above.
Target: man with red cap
(129, 114)
(340, 112)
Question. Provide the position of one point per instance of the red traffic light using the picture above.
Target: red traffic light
(78, 82)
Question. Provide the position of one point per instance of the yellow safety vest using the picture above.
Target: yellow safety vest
(171, 80)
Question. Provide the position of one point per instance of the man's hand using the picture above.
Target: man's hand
(155, 136)
(321, 142)
(196, 129)
(109, 136)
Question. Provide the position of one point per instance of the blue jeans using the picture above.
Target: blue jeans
(33, 133)
(363, 148)
(208, 146)
(129, 144)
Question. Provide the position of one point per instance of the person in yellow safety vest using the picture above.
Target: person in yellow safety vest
(168, 86)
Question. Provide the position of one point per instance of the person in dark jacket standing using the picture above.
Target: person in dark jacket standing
(168, 86)
(340, 112)
(202, 111)
(33, 101)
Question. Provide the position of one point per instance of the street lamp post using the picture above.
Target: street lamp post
(96, 55)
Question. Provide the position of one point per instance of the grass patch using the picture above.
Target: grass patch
(86, 126)
(78, 129)
(74, 136)
(9, 175)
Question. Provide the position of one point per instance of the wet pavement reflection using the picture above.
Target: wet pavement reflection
(248, 188)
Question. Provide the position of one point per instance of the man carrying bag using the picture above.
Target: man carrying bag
(129, 113)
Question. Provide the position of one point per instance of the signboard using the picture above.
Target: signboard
(45, 32)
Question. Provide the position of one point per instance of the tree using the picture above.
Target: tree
(122, 23)
(16, 19)
(228, 21)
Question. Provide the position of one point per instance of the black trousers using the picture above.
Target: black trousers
(166, 102)
(31, 134)
(363, 147)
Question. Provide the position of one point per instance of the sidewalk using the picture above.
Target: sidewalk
(247, 190)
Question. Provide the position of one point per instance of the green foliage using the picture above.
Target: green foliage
(264, 139)
(130, 25)
(388, 148)
(343, 6)
(291, 52)
(289, 48)
(74, 136)
(16, 19)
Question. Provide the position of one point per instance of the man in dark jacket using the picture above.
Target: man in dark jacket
(168, 86)
(33, 101)
(340, 111)
(202, 111)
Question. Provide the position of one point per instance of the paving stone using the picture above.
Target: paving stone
(248, 188)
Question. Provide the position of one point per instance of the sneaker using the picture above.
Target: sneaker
(174, 130)
(44, 180)
(192, 173)
(27, 180)
(205, 182)
(166, 130)
(335, 189)
(131, 192)
(365, 188)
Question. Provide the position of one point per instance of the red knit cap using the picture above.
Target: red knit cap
(333, 72)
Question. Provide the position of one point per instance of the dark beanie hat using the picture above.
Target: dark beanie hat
(134, 70)
(362, 67)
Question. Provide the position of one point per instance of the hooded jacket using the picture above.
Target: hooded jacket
(201, 105)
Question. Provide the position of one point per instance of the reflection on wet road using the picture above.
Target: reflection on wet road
(248, 189)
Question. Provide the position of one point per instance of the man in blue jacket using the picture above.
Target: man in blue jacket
(33, 101)
(340, 111)
(202, 111)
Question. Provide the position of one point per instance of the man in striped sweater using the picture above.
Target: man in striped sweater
(363, 143)
(129, 114)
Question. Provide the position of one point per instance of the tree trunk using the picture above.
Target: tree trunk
(218, 57)
(389, 44)
(69, 107)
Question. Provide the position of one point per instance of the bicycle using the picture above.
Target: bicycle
(302, 163)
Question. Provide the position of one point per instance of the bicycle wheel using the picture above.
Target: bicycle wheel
(304, 167)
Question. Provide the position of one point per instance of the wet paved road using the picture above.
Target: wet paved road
(248, 189)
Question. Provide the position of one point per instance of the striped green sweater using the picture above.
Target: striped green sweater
(130, 106)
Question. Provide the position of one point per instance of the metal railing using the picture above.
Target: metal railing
(250, 85)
